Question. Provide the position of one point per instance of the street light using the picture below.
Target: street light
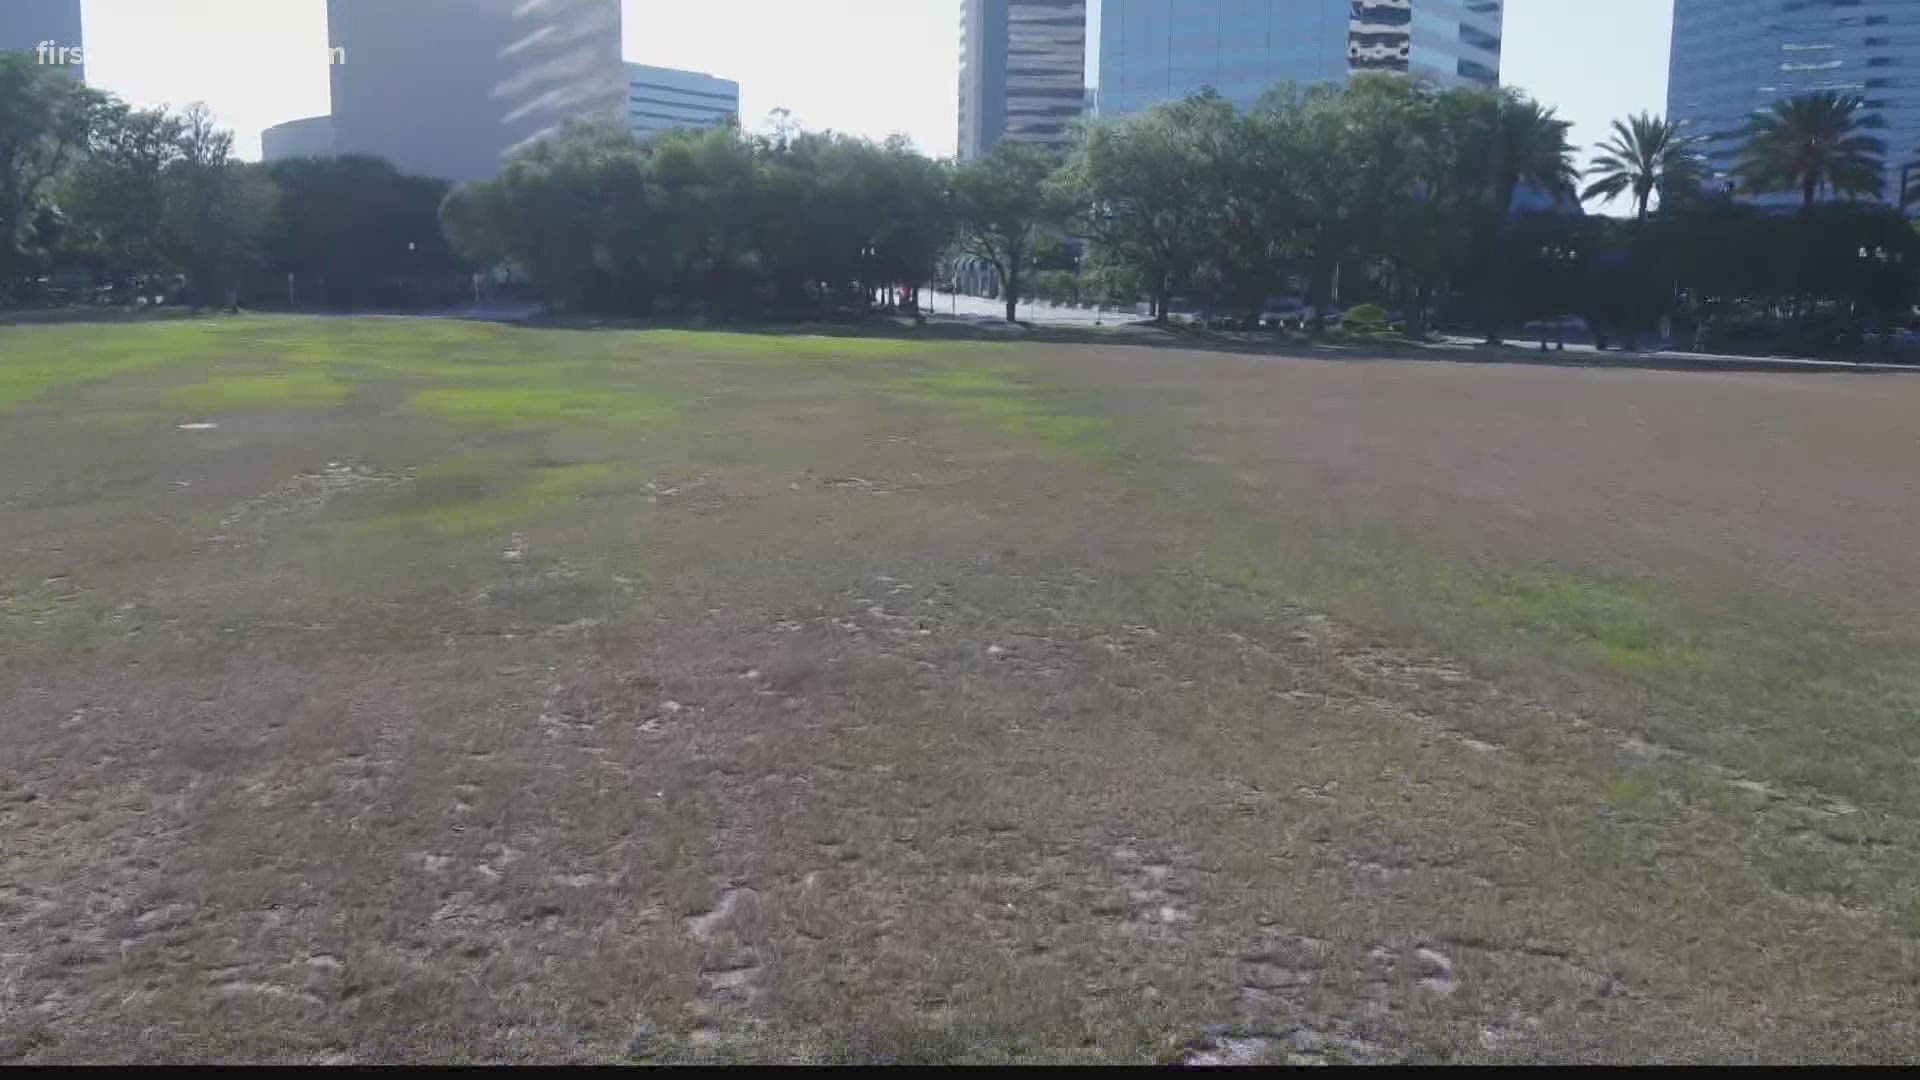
(1553, 254)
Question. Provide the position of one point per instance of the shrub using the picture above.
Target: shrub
(1366, 319)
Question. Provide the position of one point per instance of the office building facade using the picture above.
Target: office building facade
(308, 137)
(662, 99)
(42, 29)
(1162, 50)
(1732, 58)
(451, 88)
(1022, 72)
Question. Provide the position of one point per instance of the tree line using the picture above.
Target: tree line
(1459, 204)
(102, 199)
(1453, 206)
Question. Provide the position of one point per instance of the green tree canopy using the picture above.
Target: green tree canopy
(1003, 202)
(1811, 144)
(1645, 156)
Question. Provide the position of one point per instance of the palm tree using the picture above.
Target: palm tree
(1646, 155)
(1512, 140)
(1527, 144)
(1808, 144)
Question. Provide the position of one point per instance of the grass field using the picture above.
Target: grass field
(389, 690)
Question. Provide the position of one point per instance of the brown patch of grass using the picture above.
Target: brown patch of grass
(929, 707)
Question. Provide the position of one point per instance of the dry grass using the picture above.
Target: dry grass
(473, 694)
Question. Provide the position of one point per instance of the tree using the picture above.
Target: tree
(120, 188)
(347, 227)
(1002, 202)
(1810, 144)
(1508, 140)
(912, 224)
(218, 209)
(575, 211)
(47, 119)
(1149, 188)
(1259, 213)
(1645, 156)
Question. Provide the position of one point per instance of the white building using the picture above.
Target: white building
(660, 99)
(308, 137)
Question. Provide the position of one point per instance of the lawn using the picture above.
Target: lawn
(411, 690)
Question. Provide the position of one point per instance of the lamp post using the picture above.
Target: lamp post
(1871, 256)
(1557, 257)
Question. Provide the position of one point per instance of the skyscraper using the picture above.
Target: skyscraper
(1160, 50)
(1022, 71)
(27, 25)
(660, 99)
(1732, 58)
(450, 88)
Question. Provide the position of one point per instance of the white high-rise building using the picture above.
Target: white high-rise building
(661, 99)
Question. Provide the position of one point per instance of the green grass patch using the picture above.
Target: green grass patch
(1010, 398)
(487, 493)
(535, 405)
(1634, 792)
(1629, 625)
(37, 359)
(299, 388)
(784, 345)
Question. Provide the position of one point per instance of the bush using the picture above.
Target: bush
(1366, 319)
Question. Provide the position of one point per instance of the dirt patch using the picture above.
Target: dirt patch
(302, 497)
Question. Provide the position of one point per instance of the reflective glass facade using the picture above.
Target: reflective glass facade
(1160, 50)
(661, 99)
(1733, 57)
(1022, 71)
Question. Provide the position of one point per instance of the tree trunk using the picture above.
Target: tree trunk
(1013, 303)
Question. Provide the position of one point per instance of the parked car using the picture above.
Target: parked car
(1556, 328)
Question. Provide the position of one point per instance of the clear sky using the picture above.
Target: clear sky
(869, 67)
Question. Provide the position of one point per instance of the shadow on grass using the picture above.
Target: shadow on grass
(1141, 334)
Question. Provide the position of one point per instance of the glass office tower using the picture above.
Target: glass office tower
(1734, 57)
(1022, 72)
(1159, 50)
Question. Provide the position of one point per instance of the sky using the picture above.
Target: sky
(866, 67)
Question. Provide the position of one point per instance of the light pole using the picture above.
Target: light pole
(1555, 258)
(1884, 258)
